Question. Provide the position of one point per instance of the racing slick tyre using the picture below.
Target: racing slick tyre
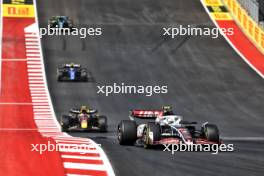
(127, 132)
(211, 132)
(59, 76)
(102, 123)
(151, 134)
(65, 123)
(191, 130)
(70, 25)
(65, 25)
(84, 76)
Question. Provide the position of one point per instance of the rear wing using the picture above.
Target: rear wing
(184, 122)
(75, 65)
(145, 114)
(78, 111)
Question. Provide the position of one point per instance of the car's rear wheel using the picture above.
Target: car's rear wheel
(53, 24)
(151, 134)
(192, 130)
(211, 132)
(70, 25)
(102, 123)
(65, 25)
(127, 132)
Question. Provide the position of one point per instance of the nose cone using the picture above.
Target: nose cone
(84, 124)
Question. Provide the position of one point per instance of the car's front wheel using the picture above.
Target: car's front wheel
(211, 132)
(65, 123)
(127, 132)
(59, 76)
(151, 134)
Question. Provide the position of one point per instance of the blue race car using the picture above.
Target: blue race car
(60, 22)
(72, 72)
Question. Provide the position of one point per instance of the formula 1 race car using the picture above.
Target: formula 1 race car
(60, 22)
(166, 129)
(73, 72)
(83, 119)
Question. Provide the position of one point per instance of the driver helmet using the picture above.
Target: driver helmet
(72, 65)
(61, 18)
(84, 110)
(167, 110)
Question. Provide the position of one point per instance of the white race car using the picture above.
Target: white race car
(166, 129)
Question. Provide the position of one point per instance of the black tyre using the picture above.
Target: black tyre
(84, 76)
(211, 132)
(65, 123)
(151, 134)
(70, 24)
(65, 25)
(102, 123)
(192, 130)
(60, 76)
(127, 132)
(53, 24)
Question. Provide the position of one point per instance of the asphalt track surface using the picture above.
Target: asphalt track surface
(207, 81)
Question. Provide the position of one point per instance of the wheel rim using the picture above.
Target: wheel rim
(145, 138)
(119, 134)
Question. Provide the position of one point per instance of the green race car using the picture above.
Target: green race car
(60, 22)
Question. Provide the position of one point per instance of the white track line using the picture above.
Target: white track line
(32, 39)
(32, 47)
(43, 118)
(247, 139)
(34, 66)
(34, 70)
(70, 141)
(34, 74)
(41, 110)
(33, 59)
(33, 55)
(40, 107)
(71, 165)
(80, 157)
